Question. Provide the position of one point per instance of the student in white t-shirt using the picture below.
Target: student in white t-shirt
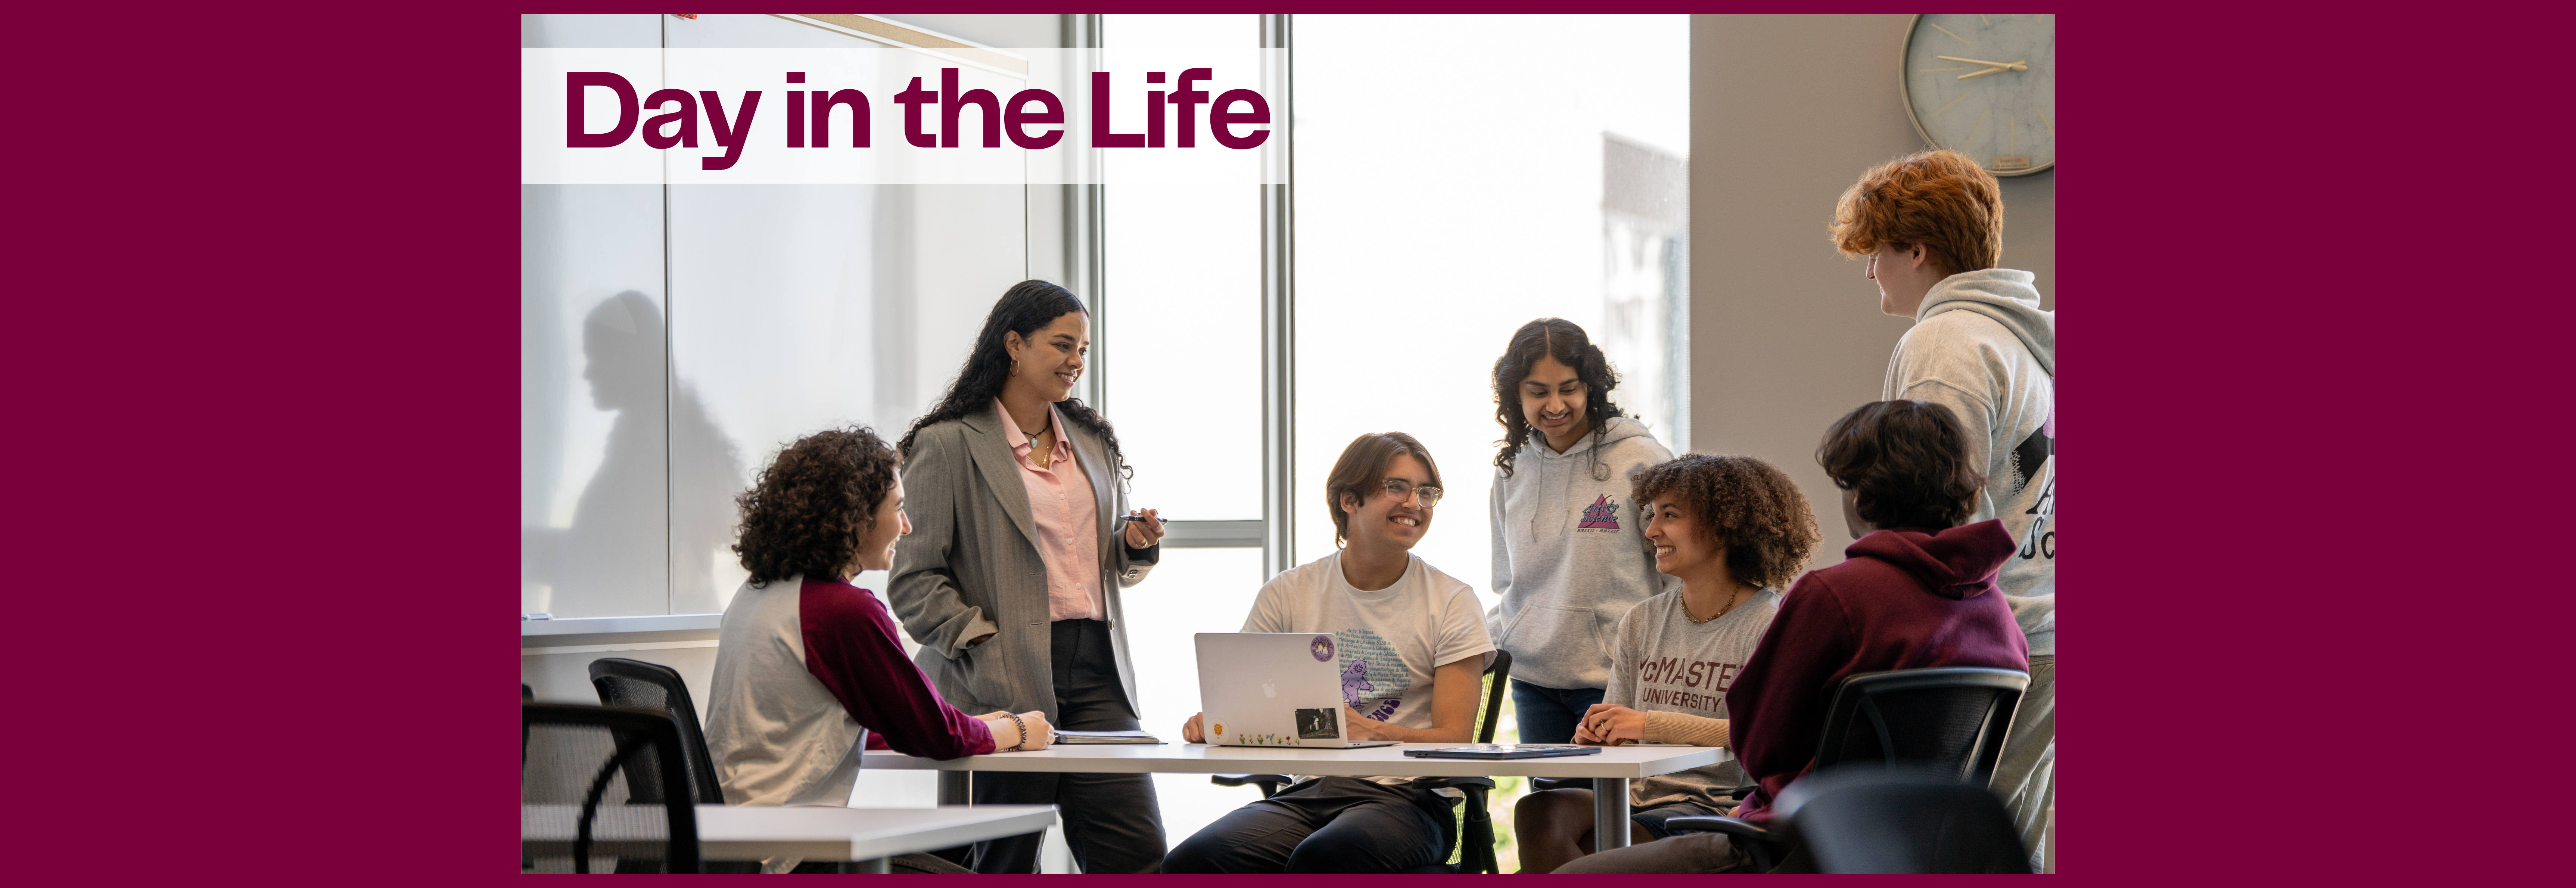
(1412, 647)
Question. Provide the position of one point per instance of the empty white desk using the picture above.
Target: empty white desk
(728, 832)
(1610, 770)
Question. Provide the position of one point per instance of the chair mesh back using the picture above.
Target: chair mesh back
(1497, 674)
(615, 767)
(641, 685)
(1938, 727)
(1918, 825)
(1948, 720)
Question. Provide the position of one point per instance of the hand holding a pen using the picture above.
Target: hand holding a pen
(1144, 528)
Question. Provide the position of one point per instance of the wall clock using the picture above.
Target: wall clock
(1985, 86)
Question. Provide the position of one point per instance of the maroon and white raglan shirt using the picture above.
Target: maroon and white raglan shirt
(804, 670)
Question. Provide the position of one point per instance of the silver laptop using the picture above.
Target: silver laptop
(1273, 689)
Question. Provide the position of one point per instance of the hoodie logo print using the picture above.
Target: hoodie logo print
(2040, 541)
(1602, 514)
(2032, 453)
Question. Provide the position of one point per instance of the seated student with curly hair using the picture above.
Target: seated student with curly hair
(807, 664)
(1917, 590)
(1734, 530)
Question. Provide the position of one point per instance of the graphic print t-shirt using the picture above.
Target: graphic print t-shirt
(1386, 643)
(1666, 663)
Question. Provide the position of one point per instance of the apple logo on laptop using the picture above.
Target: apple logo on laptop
(1270, 690)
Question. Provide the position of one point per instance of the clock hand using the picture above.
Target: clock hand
(2017, 66)
(1985, 72)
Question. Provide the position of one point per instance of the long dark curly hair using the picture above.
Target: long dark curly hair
(804, 513)
(1549, 338)
(1747, 505)
(1026, 308)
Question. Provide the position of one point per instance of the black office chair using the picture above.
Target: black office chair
(1948, 720)
(1476, 832)
(599, 782)
(624, 682)
(642, 685)
(1868, 818)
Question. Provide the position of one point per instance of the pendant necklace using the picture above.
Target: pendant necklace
(1686, 614)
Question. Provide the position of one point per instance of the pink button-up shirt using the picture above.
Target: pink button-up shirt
(1067, 518)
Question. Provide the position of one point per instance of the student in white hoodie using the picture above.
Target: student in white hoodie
(1932, 225)
(1570, 556)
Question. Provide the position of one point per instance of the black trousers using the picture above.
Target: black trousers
(1330, 825)
(1112, 821)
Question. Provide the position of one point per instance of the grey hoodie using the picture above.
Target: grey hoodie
(1982, 347)
(1570, 554)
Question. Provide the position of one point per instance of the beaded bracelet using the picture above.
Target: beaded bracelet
(1024, 730)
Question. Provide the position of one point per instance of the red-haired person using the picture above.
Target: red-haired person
(1916, 590)
(808, 665)
(1932, 227)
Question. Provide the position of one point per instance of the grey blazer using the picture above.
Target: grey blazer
(971, 566)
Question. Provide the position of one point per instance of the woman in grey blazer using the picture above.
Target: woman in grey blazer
(1010, 578)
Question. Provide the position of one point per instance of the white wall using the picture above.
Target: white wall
(1786, 111)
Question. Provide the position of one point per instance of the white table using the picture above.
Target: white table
(1610, 770)
(727, 832)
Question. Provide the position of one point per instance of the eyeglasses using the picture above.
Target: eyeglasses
(1403, 491)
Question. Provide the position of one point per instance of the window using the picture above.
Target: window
(1183, 374)
(674, 337)
(1425, 236)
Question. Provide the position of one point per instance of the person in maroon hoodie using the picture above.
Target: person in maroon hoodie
(1916, 591)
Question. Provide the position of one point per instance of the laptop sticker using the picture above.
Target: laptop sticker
(1319, 724)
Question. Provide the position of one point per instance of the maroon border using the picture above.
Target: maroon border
(265, 302)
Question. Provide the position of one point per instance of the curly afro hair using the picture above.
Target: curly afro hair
(803, 515)
(1907, 460)
(1752, 509)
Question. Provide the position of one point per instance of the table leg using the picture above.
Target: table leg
(1609, 813)
(956, 787)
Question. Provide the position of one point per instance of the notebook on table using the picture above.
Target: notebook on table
(1078, 738)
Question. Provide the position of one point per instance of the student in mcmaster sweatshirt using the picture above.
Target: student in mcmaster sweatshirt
(1569, 555)
(806, 664)
(1916, 591)
(1735, 530)
(1932, 226)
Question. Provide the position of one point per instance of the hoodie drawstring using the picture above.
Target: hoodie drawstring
(1600, 471)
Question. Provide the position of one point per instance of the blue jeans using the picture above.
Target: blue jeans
(1548, 715)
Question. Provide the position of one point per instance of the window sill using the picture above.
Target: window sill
(592, 631)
